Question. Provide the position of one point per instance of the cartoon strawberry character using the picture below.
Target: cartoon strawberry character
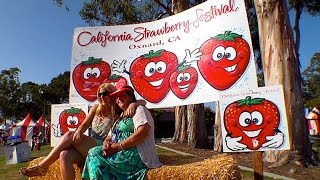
(150, 74)
(89, 75)
(70, 119)
(183, 81)
(254, 120)
(224, 59)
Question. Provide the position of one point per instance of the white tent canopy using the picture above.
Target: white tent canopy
(24, 129)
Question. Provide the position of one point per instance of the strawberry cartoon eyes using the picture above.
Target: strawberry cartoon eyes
(152, 67)
(230, 53)
(72, 120)
(183, 77)
(88, 72)
(245, 119)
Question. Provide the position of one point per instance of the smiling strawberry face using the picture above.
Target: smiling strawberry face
(224, 59)
(150, 74)
(183, 81)
(253, 120)
(70, 119)
(89, 75)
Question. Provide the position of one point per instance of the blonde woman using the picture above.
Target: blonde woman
(74, 146)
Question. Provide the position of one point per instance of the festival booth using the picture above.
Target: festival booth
(44, 127)
(24, 129)
(4, 127)
(17, 148)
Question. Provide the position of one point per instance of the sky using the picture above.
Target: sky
(36, 36)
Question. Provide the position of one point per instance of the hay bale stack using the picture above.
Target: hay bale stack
(217, 167)
(53, 171)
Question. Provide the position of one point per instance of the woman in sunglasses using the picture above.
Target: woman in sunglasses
(74, 146)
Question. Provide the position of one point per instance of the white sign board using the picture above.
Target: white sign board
(66, 117)
(183, 59)
(254, 120)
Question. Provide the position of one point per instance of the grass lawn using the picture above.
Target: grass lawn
(11, 171)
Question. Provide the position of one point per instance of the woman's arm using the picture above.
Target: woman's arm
(131, 110)
(136, 138)
(85, 125)
(88, 120)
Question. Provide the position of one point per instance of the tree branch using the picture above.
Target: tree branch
(168, 11)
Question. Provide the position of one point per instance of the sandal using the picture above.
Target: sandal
(34, 171)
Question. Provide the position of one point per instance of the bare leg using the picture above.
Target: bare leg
(67, 142)
(67, 158)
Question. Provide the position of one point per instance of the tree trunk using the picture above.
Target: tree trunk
(281, 66)
(217, 130)
(181, 124)
(180, 134)
(197, 134)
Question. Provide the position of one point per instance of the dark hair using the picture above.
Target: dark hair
(130, 92)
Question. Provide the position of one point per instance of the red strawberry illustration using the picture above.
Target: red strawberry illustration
(150, 74)
(253, 120)
(224, 59)
(183, 81)
(89, 75)
(70, 119)
(117, 80)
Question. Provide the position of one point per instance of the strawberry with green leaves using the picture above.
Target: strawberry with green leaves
(150, 74)
(70, 119)
(224, 59)
(255, 120)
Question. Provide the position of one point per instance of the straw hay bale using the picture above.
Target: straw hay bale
(217, 167)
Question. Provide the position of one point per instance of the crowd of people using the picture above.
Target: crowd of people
(122, 144)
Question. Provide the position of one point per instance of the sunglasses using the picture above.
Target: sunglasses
(106, 93)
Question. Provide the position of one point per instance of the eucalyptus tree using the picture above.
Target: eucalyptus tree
(281, 66)
(311, 7)
(311, 86)
(9, 92)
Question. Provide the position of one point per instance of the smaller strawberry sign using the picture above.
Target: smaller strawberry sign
(66, 117)
(254, 120)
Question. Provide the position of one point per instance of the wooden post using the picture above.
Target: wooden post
(257, 165)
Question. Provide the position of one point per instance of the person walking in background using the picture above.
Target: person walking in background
(33, 141)
(129, 151)
(39, 141)
(74, 145)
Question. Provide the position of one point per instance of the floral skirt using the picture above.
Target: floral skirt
(125, 164)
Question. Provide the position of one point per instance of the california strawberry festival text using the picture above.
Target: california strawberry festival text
(143, 33)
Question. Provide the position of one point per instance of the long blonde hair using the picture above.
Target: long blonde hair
(112, 106)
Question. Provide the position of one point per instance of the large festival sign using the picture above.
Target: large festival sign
(183, 59)
(66, 117)
(254, 120)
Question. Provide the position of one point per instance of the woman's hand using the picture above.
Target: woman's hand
(112, 149)
(131, 110)
(76, 137)
(106, 146)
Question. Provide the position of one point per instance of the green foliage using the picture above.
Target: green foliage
(9, 92)
(311, 6)
(110, 12)
(57, 91)
(30, 101)
(16, 100)
(311, 79)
